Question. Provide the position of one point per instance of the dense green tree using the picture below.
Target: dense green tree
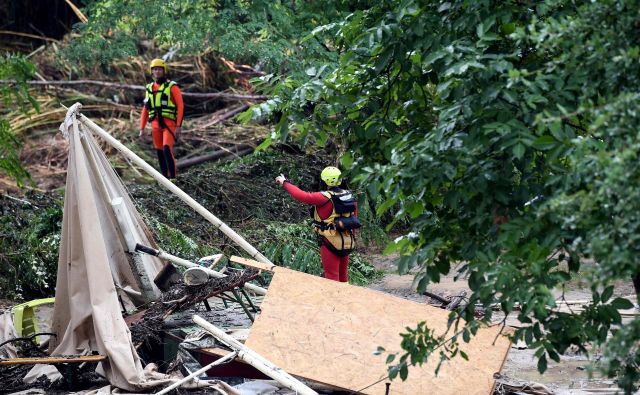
(14, 68)
(263, 33)
(507, 134)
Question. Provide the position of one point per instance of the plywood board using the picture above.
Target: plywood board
(327, 331)
(254, 264)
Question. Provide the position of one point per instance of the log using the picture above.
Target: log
(436, 297)
(52, 360)
(239, 150)
(222, 116)
(20, 34)
(117, 85)
(77, 11)
(456, 300)
(255, 359)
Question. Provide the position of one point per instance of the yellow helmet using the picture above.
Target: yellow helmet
(331, 176)
(158, 63)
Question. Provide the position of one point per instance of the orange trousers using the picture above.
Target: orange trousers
(163, 140)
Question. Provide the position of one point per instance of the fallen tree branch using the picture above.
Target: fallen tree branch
(239, 150)
(223, 116)
(117, 85)
(11, 33)
(456, 300)
(436, 297)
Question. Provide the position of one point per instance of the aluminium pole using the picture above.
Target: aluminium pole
(224, 228)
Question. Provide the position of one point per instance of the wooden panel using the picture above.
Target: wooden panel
(251, 263)
(52, 360)
(327, 331)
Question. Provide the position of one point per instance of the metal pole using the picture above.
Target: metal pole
(255, 254)
(255, 359)
(185, 263)
(198, 372)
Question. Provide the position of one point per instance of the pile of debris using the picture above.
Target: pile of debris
(215, 90)
(161, 322)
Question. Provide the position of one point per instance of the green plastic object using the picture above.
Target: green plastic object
(24, 317)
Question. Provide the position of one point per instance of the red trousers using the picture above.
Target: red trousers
(335, 267)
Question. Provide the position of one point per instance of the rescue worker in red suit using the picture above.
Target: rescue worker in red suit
(164, 107)
(336, 240)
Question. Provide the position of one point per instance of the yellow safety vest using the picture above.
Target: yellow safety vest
(159, 102)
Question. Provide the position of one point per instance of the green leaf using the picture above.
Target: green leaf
(621, 304)
(432, 57)
(542, 364)
(606, 294)
(404, 372)
(518, 150)
(544, 143)
(444, 6)
(556, 130)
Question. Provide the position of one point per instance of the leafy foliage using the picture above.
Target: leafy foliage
(506, 133)
(17, 68)
(257, 32)
(29, 246)
(296, 246)
(175, 242)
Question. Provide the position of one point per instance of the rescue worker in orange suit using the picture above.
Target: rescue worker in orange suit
(163, 106)
(334, 220)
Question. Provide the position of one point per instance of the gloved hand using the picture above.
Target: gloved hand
(281, 179)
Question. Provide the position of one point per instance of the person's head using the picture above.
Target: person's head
(158, 69)
(331, 177)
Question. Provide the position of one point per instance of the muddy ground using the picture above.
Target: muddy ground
(567, 377)
(570, 376)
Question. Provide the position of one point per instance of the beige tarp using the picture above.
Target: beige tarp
(94, 269)
(7, 332)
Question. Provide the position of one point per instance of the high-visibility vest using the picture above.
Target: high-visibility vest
(159, 102)
(337, 229)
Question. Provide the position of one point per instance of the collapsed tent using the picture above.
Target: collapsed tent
(98, 276)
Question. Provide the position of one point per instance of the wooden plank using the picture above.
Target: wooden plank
(52, 360)
(252, 263)
(327, 331)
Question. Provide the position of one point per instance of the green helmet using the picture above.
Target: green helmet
(331, 176)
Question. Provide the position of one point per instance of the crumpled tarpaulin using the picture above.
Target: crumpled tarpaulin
(94, 269)
(7, 332)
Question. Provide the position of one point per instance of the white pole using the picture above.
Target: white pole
(254, 359)
(255, 254)
(198, 373)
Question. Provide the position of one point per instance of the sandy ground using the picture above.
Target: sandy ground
(567, 377)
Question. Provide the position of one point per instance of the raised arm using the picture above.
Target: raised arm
(314, 198)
